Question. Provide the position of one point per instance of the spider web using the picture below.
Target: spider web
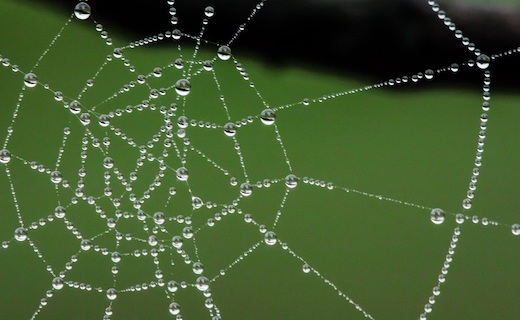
(176, 183)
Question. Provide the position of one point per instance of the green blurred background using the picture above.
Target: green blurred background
(412, 145)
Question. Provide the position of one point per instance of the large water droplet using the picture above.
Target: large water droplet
(437, 216)
(59, 212)
(270, 238)
(268, 117)
(182, 174)
(5, 156)
(209, 11)
(515, 229)
(224, 53)
(291, 181)
(82, 11)
(230, 129)
(20, 234)
(112, 294)
(57, 283)
(246, 189)
(174, 308)
(483, 61)
(30, 80)
(202, 283)
(183, 87)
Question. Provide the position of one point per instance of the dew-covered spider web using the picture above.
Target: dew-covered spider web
(188, 181)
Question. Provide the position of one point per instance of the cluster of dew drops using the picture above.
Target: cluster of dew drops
(268, 116)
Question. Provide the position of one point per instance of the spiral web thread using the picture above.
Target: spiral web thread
(169, 149)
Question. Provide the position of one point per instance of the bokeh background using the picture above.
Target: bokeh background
(414, 143)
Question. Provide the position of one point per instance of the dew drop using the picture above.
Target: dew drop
(209, 11)
(5, 156)
(182, 174)
(174, 308)
(437, 216)
(202, 283)
(158, 217)
(291, 181)
(30, 80)
(57, 283)
(82, 11)
(59, 212)
(177, 242)
(20, 234)
(111, 294)
(183, 87)
(306, 268)
(196, 203)
(246, 189)
(172, 286)
(483, 61)
(84, 118)
(268, 117)
(270, 238)
(224, 53)
(230, 129)
(428, 74)
(515, 229)
(198, 268)
(207, 65)
(104, 120)
(459, 218)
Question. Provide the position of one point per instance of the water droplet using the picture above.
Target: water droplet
(246, 189)
(82, 11)
(179, 63)
(108, 163)
(230, 129)
(268, 117)
(483, 61)
(437, 216)
(174, 308)
(198, 268)
(208, 65)
(177, 242)
(291, 181)
(172, 286)
(20, 234)
(428, 74)
(202, 283)
(104, 120)
(270, 238)
(75, 107)
(112, 294)
(59, 212)
(187, 232)
(466, 204)
(57, 283)
(209, 12)
(30, 80)
(84, 118)
(182, 174)
(158, 217)
(85, 245)
(306, 268)
(5, 156)
(224, 53)
(515, 229)
(183, 87)
(459, 218)
(196, 202)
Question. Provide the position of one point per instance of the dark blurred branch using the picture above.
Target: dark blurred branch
(376, 38)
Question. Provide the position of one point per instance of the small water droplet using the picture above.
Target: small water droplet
(209, 11)
(174, 308)
(182, 174)
(515, 229)
(111, 294)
